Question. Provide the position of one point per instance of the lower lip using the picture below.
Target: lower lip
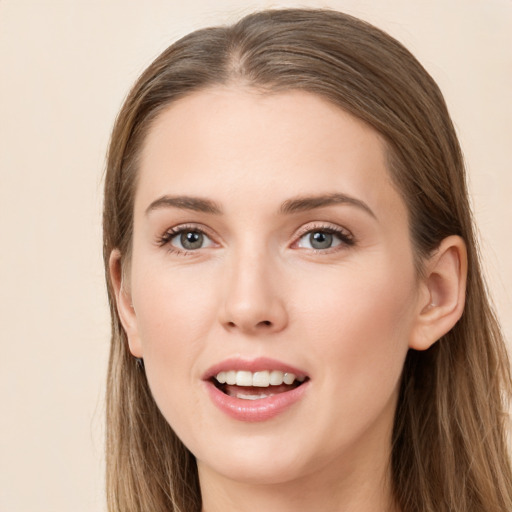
(255, 410)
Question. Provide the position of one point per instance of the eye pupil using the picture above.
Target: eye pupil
(191, 239)
(320, 240)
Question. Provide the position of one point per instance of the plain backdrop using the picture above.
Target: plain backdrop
(65, 67)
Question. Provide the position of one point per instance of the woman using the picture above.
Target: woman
(299, 318)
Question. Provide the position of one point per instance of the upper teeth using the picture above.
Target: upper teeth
(261, 379)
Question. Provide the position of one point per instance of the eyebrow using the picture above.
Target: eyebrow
(299, 204)
(195, 204)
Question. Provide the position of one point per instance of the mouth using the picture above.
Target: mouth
(247, 385)
(255, 390)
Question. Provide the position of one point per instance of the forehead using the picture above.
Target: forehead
(224, 139)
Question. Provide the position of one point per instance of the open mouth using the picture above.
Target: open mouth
(246, 385)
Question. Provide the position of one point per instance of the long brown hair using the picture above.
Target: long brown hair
(449, 448)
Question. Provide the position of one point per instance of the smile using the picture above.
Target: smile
(262, 379)
(247, 385)
(257, 394)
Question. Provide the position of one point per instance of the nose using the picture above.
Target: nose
(254, 298)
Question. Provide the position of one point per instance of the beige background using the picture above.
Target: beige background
(65, 67)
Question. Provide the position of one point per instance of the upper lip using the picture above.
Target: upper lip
(252, 365)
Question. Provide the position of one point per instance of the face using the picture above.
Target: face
(271, 288)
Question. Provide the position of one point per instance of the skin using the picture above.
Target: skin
(346, 315)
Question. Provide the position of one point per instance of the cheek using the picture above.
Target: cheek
(171, 304)
(174, 316)
(361, 326)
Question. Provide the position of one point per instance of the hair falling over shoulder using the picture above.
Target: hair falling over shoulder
(450, 451)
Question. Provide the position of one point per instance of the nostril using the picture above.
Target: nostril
(263, 324)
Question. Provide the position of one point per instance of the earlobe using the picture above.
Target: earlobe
(443, 293)
(124, 305)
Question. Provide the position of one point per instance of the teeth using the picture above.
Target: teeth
(276, 378)
(243, 378)
(245, 396)
(261, 379)
(288, 378)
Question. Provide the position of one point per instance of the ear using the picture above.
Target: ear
(442, 294)
(124, 304)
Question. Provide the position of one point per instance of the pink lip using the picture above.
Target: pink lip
(254, 410)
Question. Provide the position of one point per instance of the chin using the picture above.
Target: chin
(260, 459)
(271, 471)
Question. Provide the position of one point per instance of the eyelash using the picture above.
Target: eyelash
(170, 234)
(346, 238)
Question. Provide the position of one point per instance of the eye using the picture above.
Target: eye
(320, 239)
(189, 240)
(184, 239)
